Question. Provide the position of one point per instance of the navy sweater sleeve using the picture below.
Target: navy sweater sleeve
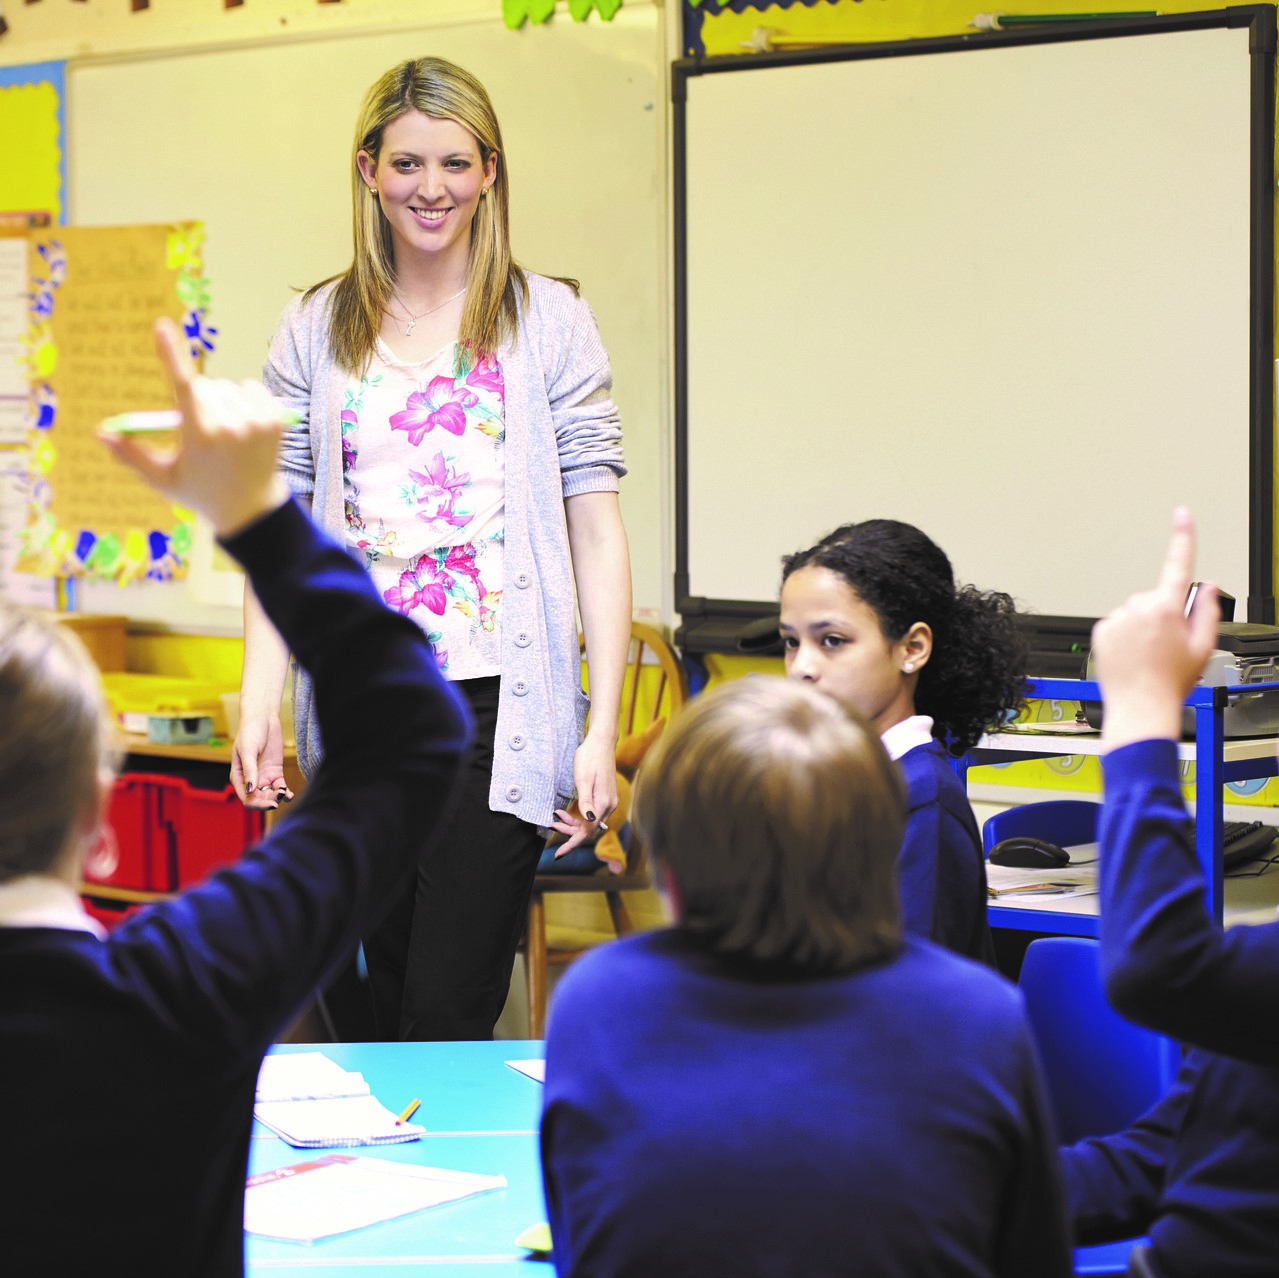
(1166, 964)
(1114, 1182)
(230, 961)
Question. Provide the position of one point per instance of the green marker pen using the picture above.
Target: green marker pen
(159, 421)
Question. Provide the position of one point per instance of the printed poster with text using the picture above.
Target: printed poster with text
(95, 293)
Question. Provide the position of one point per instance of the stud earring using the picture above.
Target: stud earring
(373, 191)
(909, 669)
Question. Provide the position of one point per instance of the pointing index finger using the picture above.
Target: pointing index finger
(1179, 562)
(177, 363)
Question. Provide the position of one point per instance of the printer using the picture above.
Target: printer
(1246, 652)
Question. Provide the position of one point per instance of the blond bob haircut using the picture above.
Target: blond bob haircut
(779, 817)
(446, 91)
(55, 740)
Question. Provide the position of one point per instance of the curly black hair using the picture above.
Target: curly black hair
(977, 671)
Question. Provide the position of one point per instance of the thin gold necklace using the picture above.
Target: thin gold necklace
(413, 319)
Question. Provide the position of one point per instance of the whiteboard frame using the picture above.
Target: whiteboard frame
(712, 624)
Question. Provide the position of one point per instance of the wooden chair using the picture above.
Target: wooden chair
(671, 693)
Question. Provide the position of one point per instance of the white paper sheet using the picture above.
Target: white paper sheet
(536, 1070)
(340, 1193)
(306, 1076)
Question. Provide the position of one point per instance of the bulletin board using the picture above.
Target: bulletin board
(255, 142)
(1014, 289)
(95, 293)
(33, 108)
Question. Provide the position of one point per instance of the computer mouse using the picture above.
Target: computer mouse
(1027, 853)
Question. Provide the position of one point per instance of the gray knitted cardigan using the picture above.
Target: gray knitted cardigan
(562, 438)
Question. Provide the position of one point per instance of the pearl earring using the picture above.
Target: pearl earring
(909, 669)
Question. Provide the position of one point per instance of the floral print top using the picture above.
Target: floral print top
(424, 479)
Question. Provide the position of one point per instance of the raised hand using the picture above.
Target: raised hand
(1148, 654)
(223, 464)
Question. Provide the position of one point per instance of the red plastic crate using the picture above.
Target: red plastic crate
(144, 857)
(206, 828)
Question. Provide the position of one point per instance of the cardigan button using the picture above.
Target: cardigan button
(523, 580)
(518, 742)
(523, 639)
(520, 687)
(515, 794)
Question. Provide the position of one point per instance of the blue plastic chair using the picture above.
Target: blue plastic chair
(1102, 1071)
(1060, 821)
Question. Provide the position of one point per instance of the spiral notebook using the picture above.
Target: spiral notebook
(310, 1102)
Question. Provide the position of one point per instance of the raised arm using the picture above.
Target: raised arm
(1166, 964)
(232, 958)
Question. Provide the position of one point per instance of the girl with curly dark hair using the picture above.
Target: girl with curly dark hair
(872, 617)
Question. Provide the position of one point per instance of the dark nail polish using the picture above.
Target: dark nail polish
(590, 816)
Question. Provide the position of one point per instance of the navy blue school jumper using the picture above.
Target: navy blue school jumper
(127, 1075)
(941, 869)
(1200, 1171)
(702, 1117)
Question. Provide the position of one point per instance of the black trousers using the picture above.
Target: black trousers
(440, 965)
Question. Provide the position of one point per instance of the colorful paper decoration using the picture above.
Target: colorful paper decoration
(95, 294)
(516, 12)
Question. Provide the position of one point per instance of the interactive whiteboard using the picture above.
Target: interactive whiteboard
(1001, 288)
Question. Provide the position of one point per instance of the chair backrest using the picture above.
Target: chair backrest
(1102, 1071)
(646, 698)
(1060, 821)
(672, 683)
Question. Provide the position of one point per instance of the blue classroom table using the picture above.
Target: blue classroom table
(480, 1116)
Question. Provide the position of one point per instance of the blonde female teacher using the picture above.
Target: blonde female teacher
(458, 432)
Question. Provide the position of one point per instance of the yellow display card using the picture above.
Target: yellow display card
(96, 293)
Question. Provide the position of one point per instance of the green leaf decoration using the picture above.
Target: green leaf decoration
(180, 540)
(193, 291)
(106, 553)
(516, 12)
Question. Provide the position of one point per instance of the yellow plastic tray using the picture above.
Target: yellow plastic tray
(134, 698)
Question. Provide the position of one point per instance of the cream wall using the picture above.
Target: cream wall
(243, 118)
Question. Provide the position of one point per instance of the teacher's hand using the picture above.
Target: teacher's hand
(595, 776)
(257, 762)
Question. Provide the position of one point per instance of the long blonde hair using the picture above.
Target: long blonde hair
(446, 91)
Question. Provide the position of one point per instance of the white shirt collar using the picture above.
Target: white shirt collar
(37, 900)
(903, 737)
